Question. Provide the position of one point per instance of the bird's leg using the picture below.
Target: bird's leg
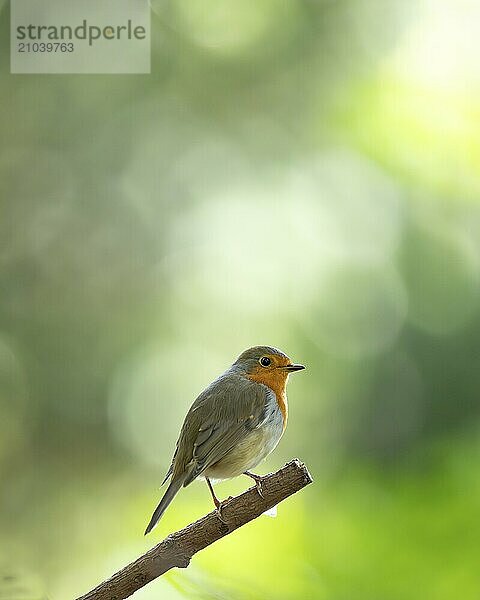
(258, 481)
(216, 501)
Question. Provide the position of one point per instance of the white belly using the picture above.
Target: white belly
(256, 446)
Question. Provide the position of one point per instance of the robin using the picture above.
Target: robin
(233, 425)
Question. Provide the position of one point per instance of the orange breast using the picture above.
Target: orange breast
(276, 380)
(283, 406)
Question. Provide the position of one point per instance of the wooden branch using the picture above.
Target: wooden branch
(178, 548)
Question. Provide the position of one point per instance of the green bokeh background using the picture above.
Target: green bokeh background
(304, 174)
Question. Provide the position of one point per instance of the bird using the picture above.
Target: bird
(234, 424)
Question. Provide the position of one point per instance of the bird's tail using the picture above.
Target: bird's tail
(169, 495)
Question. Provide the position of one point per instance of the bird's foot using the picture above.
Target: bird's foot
(219, 504)
(258, 482)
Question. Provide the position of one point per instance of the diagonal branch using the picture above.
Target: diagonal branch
(178, 548)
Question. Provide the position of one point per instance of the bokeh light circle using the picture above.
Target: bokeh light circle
(359, 310)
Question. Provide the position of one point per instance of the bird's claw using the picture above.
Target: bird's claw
(258, 485)
(218, 510)
(258, 482)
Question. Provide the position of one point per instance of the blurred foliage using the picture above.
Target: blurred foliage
(298, 173)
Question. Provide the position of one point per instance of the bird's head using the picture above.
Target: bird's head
(266, 365)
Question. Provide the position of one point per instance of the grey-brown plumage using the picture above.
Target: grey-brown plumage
(232, 425)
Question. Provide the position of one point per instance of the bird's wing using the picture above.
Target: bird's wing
(217, 421)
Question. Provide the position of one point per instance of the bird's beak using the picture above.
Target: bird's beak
(293, 368)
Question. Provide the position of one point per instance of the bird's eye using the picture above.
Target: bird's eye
(265, 361)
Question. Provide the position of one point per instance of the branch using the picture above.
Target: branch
(178, 548)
